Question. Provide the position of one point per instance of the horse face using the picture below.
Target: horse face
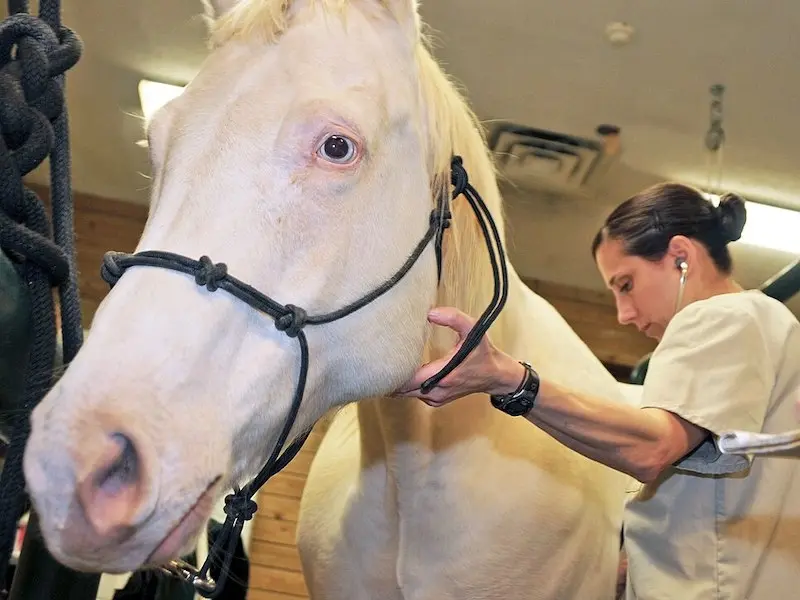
(300, 163)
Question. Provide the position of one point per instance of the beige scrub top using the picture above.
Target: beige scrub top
(716, 526)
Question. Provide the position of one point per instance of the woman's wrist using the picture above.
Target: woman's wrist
(509, 375)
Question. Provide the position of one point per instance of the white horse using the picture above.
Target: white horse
(307, 155)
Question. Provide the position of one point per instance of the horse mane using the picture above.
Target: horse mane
(450, 128)
(454, 129)
(263, 20)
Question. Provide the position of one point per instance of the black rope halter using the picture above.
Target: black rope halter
(240, 506)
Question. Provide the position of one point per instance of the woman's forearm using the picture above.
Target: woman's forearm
(626, 438)
(639, 442)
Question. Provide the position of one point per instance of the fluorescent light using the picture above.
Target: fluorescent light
(153, 95)
(769, 226)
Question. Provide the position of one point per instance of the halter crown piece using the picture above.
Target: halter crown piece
(240, 506)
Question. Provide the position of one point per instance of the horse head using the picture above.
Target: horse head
(304, 158)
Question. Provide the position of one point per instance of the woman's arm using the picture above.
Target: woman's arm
(639, 442)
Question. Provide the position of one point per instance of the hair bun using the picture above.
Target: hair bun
(732, 216)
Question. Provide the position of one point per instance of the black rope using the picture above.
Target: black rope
(239, 506)
(34, 55)
(497, 257)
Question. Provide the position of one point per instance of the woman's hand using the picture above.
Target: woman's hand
(485, 370)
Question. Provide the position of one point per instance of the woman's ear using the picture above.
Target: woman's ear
(680, 249)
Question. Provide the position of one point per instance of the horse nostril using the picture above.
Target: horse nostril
(116, 491)
(124, 471)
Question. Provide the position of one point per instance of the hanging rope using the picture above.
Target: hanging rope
(35, 53)
(715, 140)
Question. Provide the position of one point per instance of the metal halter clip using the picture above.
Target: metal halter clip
(190, 574)
(748, 442)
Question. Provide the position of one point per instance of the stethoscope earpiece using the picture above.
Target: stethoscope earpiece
(681, 264)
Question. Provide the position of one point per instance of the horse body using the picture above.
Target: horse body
(407, 502)
(307, 155)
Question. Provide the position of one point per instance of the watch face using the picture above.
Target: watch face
(517, 407)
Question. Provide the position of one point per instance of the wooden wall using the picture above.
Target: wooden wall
(102, 224)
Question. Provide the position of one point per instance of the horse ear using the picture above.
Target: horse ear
(217, 8)
(407, 14)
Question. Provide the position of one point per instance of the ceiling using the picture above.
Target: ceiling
(534, 62)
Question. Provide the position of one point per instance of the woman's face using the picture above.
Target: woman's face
(645, 291)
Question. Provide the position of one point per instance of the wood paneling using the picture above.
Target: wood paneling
(594, 318)
(102, 225)
(275, 565)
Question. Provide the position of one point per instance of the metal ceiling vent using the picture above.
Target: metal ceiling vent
(539, 159)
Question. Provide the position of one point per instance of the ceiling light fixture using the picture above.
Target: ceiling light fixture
(154, 94)
(619, 33)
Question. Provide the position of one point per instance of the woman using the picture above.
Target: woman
(704, 525)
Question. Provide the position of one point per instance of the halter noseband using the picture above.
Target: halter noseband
(240, 506)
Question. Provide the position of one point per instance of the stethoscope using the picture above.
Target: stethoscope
(744, 442)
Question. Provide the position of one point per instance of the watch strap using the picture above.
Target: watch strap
(520, 401)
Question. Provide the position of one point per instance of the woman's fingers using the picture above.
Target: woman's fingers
(440, 396)
(453, 318)
(437, 397)
(455, 384)
(425, 372)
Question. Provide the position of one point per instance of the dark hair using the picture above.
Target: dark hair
(645, 223)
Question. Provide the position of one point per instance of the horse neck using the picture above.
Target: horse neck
(468, 281)
(452, 129)
(396, 429)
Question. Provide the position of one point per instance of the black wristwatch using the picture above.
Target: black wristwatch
(519, 402)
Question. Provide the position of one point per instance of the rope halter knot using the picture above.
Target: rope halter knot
(440, 218)
(210, 274)
(292, 321)
(240, 508)
(111, 270)
(458, 176)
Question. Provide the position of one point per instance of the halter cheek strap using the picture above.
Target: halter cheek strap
(240, 506)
